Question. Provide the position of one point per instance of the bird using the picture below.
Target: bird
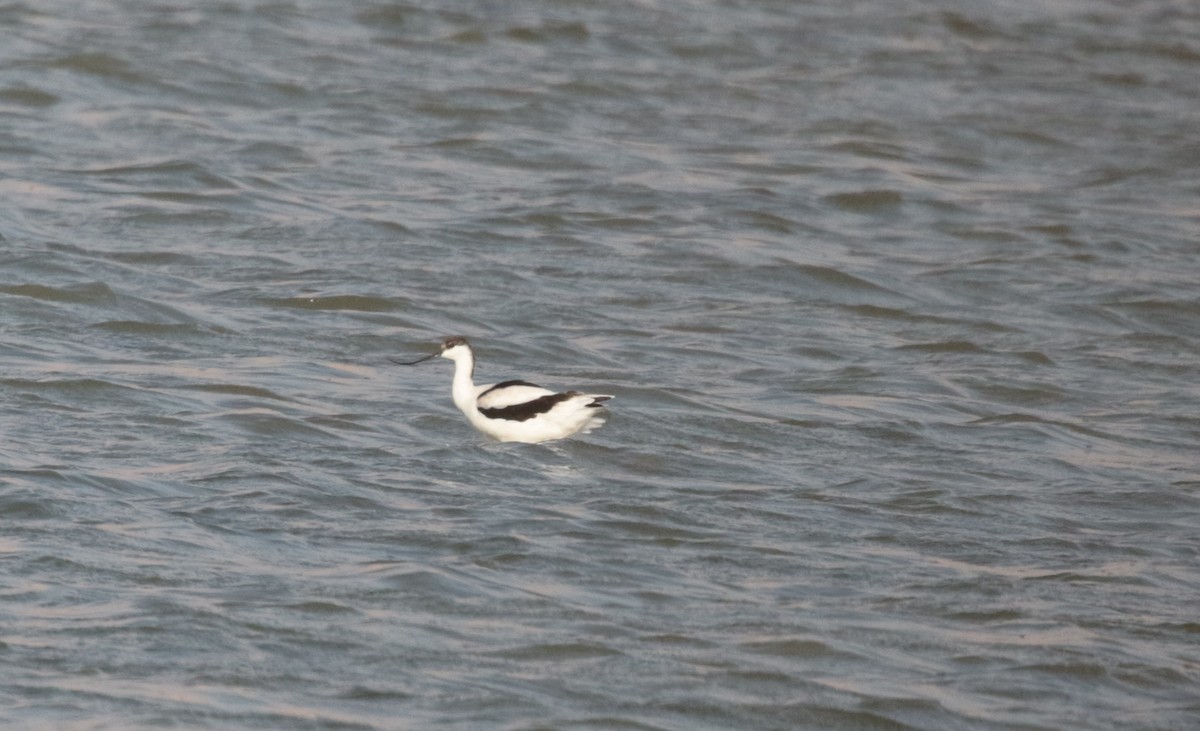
(515, 411)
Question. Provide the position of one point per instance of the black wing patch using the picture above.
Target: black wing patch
(529, 409)
(506, 384)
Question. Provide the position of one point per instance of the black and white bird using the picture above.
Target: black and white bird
(516, 411)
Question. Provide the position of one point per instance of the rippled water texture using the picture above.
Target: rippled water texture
(899, 302)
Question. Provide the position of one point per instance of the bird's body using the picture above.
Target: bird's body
(516, 411)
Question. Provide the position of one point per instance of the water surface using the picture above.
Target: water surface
(898, 301)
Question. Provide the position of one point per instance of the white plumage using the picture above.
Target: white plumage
(516, 411)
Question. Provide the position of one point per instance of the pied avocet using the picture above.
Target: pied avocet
(515, 411)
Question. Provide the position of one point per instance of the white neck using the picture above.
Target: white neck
(463, 387)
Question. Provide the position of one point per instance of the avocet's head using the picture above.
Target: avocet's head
(454, 348)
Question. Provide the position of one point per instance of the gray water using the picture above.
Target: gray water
(900, 303)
